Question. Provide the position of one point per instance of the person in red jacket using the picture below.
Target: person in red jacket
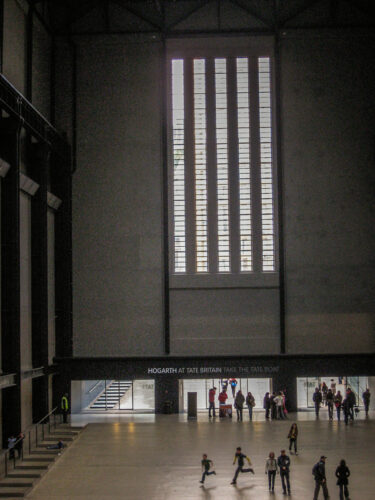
(211, 401)
(223, 396)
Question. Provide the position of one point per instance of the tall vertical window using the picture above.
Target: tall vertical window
(221, 117)
(265, 132)
(200, 157)
(178, 165)
(243, 118)
(222, 164)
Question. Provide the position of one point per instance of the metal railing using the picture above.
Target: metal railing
(32, 436)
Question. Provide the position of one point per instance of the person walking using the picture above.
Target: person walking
(271, 470)
(233, 384)
(329, 398)
(333, 386)
(366, 400)
(283, 462)
(342, 473)
(317, 398)
(238, 403)
(211, 402)
(240, 457)
(319, 473)
(65, 407)
(338, 402)
(350, 396)
(292, 436)
(346, 410)
(324, 393)
(250, 402)
(206, 466)
(267, 404)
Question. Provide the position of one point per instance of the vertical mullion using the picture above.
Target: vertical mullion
(211, 166)
(189, 167)
(256, 198)
(233, 166)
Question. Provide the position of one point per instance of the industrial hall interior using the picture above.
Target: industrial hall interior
(187, 208)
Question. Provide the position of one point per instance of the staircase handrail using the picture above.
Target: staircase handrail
(6, 452)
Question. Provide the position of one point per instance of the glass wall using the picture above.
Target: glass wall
(306, 387)
(257, 386)
(107, 395)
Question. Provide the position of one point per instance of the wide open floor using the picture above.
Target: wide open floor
(151, 457)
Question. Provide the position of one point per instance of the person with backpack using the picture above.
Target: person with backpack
(211, 402)
(206, 466)
(292, 436)
(250, 402)
(240, 457)
(317, 398)
(283, 462)
(271, 470)
(342, 473)
(319, 473)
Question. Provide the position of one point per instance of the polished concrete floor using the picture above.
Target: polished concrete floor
(140, 457)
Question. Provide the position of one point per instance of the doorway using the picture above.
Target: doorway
(306, 387)
(257, 386)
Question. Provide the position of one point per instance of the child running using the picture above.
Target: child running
(241, 461)
(206, 466)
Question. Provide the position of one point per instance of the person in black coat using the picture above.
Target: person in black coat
(319, 472)
(317, 398)
(350, 396)
(342, 474)
(267, 404)
(366, 400)
(330, 398)
(283, 462)
(346, 410)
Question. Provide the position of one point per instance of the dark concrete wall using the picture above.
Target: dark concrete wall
(117, 237)
(328, 166)
(328, 112)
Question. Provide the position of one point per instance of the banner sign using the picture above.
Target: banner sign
(204, 370)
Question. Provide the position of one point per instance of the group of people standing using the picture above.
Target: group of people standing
(273, 403)
(331, 398)
(281, 466)
(239, 402)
